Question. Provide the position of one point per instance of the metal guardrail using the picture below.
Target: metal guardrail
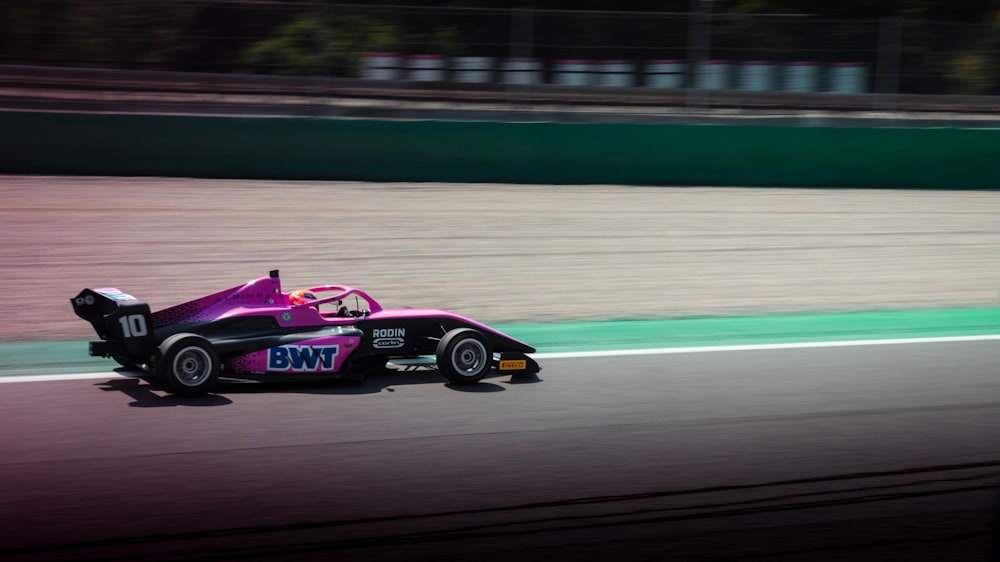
(111, 90)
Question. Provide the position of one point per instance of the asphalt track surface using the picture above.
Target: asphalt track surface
(852, 453)
(848, 453)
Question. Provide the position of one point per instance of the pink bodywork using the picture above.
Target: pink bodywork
(258, 297)
(263, 296)
(319, 355)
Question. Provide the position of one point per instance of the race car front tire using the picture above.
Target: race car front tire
(188, 365)
(464, 356)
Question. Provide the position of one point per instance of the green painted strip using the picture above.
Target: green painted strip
(20, 358)
(40, 358)
(748, 330)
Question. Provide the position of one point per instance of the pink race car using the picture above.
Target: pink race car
(256, 331)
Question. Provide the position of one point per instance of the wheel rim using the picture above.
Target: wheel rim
(469, 357)
(192, 366)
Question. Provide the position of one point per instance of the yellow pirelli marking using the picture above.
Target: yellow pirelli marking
(513, 365)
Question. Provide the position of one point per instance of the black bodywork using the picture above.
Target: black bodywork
(236, 338)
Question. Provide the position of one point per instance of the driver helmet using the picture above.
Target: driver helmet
(301, 296)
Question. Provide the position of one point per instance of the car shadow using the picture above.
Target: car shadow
(147, 393)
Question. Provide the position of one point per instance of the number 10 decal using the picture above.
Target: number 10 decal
(133, 326)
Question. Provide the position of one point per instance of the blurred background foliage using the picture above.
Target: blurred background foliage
(953, 45)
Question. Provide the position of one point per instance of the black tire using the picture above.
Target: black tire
(188, 365)
(464, 356)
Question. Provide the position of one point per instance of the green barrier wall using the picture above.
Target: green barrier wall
(549, 153)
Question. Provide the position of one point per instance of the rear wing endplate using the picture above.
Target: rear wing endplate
(122, 320)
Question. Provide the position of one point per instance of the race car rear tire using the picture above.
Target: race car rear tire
(464, 356)
(188, 365)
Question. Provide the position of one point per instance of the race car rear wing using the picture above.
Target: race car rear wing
(123, 322)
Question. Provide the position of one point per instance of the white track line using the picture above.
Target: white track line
(611, 353)
(762, 346)
(66, 377)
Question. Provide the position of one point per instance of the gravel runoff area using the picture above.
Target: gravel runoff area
(496, 253)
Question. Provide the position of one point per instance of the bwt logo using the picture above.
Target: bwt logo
(302, 357)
